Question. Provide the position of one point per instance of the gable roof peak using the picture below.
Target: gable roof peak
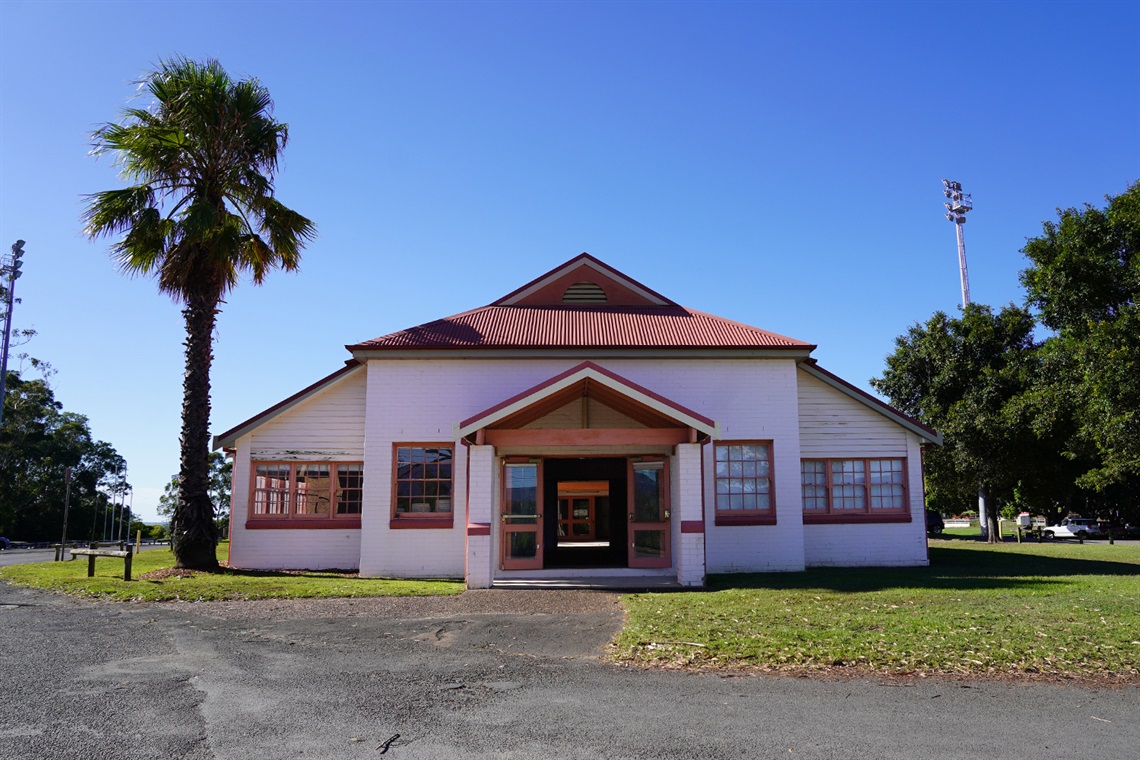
(566, 283)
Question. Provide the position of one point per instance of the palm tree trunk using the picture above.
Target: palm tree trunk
(194, 537)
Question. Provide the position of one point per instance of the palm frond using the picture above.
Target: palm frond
(202, 158)
(114, 211)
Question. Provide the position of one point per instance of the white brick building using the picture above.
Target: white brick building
(581, 425)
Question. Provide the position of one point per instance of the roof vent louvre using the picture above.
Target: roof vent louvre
(584, 292)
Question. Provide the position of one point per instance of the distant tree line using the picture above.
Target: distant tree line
(1038, 403)
(38, 442)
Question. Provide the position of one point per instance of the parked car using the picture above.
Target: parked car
(5, 543)
(934, 523)
(1073, 527)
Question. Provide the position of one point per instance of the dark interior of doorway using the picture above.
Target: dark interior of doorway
(614, 529)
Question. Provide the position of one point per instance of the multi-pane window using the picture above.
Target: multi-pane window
(306, 489)
(848, 485)
(886, 482)
(744, 477)
(422, 480)
(853, 486)
(314, 490)
(814, 478)
(272, 489)
(350, 488)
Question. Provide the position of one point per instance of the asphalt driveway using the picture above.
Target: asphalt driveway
(484, 675)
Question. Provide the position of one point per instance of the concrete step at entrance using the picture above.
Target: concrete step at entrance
(602, 583)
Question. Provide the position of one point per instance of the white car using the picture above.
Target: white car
(1072, 527)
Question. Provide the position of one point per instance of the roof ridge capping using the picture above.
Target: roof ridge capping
(592, 262)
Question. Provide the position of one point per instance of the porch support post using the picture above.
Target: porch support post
(480, 515)
(688, 516)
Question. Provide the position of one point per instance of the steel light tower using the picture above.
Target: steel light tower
(12, 269)
(956, 209)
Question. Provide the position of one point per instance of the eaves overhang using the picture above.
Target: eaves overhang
(798, 353)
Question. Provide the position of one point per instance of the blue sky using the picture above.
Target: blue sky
(774, 163)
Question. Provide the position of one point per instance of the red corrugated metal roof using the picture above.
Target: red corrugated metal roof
(594, 326)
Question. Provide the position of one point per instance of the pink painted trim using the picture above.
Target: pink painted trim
(415, 523)
(862, 517)
(478, 529)
(692, 526)
(302, 524)
(745, 520)
(537, 389)
(466, 506)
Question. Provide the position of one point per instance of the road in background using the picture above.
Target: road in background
(26, 556)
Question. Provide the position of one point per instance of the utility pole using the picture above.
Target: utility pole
(66, 506)
(12, 269)
(956, 209)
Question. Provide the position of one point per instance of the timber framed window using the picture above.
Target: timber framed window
(854, 490)
(305, 494)
(422, 485)
(744, 492)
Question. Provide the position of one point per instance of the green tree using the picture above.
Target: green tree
(221, 477)
(200, 214)
(1084, 277)
(962, 376)
(38, 441)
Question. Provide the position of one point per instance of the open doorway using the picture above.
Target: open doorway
(588, 528)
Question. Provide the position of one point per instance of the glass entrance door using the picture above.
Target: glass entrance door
(649, 514)
(522, 516)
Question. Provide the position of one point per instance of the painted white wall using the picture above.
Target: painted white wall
(481, 508)
(327, 427)
(832, 424)
(421, 400)
(687, 504)
(283, 549)
(756, 401)
(410, 402)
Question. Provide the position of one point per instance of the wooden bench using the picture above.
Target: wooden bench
(91, 554)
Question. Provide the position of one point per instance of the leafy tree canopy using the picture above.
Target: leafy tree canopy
(1084, 277)
(38, 441)
(1049, 425)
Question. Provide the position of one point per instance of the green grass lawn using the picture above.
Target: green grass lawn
(71, 578)
(1035, 609)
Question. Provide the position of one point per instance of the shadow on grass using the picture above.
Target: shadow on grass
(950, 568)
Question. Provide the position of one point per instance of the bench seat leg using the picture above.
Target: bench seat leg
(90, 565)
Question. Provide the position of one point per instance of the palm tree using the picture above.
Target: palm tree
(199, 214)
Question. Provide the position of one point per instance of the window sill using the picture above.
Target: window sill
(302, 524)
(745, 519)
(854, 519)
(414, 523)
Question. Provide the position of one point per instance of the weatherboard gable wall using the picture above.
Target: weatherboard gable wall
(327, 427)
(834, 425)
